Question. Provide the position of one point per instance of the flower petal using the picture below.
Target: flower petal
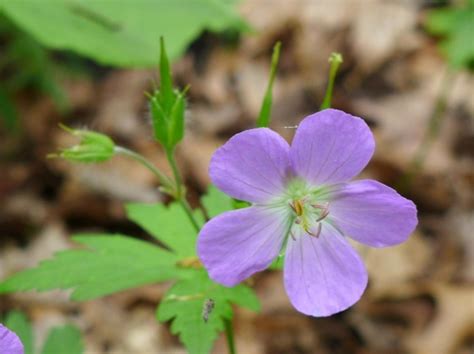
(9, 342)
(372, 213)
(323, 275)
(252, 165)
(234, 245)
(330, 147)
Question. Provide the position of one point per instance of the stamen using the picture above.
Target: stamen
(324, 213)
(318, 231)
(324, 210)
(292, 206)
(320, 206)
(292, 235)
(297, 206)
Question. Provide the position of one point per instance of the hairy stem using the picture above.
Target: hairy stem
(166, 183)
(180, 191)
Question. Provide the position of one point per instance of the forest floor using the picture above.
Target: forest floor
(420, 297)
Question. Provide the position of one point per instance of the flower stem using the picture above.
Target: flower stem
(180, 191)
(434, 124)
(165, 182)
(432, 131)
(229, 333)
(335, 59)
(265, 110)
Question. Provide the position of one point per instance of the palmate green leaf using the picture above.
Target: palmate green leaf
(108, 264)
(168, 224)
(121, 33)
(18, 323)
(63, 340)
(456, 26)
(185, 304)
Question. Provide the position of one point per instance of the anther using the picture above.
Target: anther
(297, 207)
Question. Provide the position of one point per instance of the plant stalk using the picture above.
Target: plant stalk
(431, 131)
(335, 59)
(180, 192)
(229, 333)
(166, 183)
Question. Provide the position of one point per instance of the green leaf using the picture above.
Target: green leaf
(18, 323)
(121, 33)
(456, 26)
(216, 202)
(185, 302)
(110, 263)
(168, 224)
(62, 340)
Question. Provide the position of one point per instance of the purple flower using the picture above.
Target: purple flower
(302, 200)
(9, 342)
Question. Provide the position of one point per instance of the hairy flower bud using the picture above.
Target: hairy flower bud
(92, 147)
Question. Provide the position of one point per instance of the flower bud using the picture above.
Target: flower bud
(167, 107)
(92, 147)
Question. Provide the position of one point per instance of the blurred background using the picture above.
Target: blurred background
(407, 71)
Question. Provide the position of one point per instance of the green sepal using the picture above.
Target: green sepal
(166, 81)
(167, 107)
(176, 125)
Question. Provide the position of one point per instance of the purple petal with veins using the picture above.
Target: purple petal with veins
(303, 201)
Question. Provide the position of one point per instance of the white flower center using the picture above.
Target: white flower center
(309, 207)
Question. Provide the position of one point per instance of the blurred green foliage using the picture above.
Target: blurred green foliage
(24, 64)
(456, 27)
(121, 33)
(18, 323)
(64, 339)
